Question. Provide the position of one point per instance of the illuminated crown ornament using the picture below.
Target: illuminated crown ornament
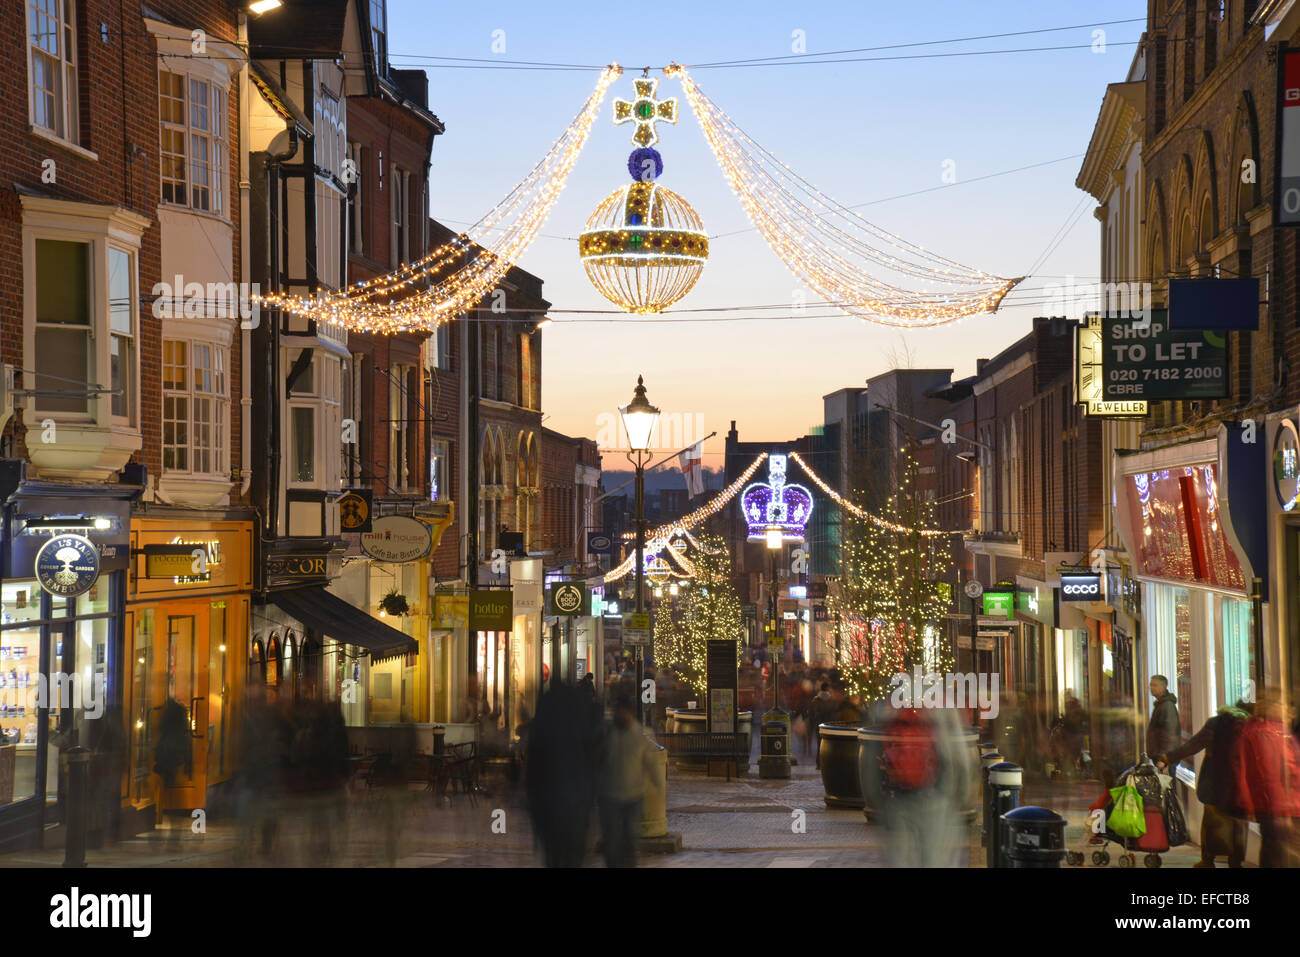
(775, 505)
(644, 246)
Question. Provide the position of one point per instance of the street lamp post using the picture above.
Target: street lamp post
(775, 540)
(639, 419)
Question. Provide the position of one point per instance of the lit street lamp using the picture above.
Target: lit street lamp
(639, 420)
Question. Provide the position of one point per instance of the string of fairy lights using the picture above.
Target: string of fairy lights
(457, 275)
(833, 249)
(664, 532)
(862, 513)
(661, 538)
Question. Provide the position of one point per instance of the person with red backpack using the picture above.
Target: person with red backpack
(922, 781)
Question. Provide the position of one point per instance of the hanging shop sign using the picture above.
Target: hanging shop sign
(491, 609)
(397, 539)
(819, 613)
(1000, 604)
(1286, 465)
(355, 508)
(600, 543)
(1089, 377)
(67, 565)
(1214, 303)
(1151, 361)
(450, 611)
(1287, 201)
(568, 599)
(817, 589)
(1080, 586)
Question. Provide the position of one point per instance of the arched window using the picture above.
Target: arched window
(273, 663)
(257, 663)
(1207, 223)
(290, 667)
(310, 660)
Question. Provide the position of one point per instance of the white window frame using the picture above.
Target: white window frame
(218, 448)
(67, 102)
(399, 431)
(439, 470)
(379, 33)
(213, 137)
(400, 216)
(356, 203)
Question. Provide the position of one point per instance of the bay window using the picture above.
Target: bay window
(80, 334)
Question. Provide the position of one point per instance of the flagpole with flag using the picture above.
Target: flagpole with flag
(690, 461)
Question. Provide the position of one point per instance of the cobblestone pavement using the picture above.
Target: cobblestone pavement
(745, 822)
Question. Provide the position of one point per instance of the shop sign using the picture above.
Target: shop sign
(450, 611)
(1287, 204)
(568, 599)
(298, 566)
(1000, 604)
(817, 589)
(1150, 361)
(1080, 586)
(819, 613)
(397, 539)
(1207, 303)
(1089, 376)
(491, 609)
(355, 508)
(183, 562)
(600, 543)
(67, 565)
(749, 609)
(1286, 465)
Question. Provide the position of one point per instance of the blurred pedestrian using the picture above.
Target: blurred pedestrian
(1165, 731)
(1266, 767)
(560, 774)
(1223, 829)
(820, 709)
(626, 759)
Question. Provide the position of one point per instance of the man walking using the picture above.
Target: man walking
(625, 762)
(1165, 732)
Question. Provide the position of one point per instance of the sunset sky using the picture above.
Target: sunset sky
(863, 132)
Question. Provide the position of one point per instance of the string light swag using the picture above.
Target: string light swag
(862, 512)
(872, 273)
(457, 275)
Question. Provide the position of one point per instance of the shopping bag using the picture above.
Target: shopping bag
(1126, 818)
(1175, 822)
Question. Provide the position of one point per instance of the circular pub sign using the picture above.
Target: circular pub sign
(67, 565)
(396, 538)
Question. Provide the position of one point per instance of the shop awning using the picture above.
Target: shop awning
(334, 617)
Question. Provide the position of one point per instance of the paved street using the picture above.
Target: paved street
(745, 822)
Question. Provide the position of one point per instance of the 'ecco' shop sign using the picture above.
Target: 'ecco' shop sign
(1150, 361)
(1082, 587)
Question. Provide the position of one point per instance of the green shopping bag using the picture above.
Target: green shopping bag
(1126, 817)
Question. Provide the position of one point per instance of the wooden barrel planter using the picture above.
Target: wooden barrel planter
(691, 722)
(838, 756)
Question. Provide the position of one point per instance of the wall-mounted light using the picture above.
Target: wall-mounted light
(260, 7)
(543, 323)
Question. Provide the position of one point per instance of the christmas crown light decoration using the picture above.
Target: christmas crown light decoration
(776, 505)
(644, 246)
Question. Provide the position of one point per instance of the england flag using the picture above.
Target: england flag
(692, 470)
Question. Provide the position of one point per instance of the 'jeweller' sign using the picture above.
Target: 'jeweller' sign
(67, 565)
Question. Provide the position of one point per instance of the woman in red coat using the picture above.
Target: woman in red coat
(1266, 764)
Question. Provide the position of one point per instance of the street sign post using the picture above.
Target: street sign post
(637, 629)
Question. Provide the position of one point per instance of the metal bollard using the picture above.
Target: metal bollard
(1004, 796)
(987, 760)
(74, 852)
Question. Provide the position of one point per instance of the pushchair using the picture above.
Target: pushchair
(1154, 842)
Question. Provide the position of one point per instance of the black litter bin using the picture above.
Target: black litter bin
(1035, 837)
(774, 758)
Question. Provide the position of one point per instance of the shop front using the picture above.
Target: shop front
(187, 617)
(1186, 517)
(1282, 661)
(63, 565)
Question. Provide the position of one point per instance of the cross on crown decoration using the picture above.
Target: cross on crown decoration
(645, 111)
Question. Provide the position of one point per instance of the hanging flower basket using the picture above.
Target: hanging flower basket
(394, 603)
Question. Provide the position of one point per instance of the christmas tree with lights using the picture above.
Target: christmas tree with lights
(708, 609)
(891, 596)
